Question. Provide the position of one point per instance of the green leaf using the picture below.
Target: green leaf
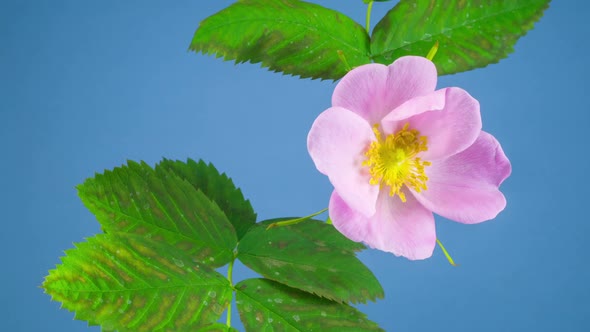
(265, 305)
(137, 200)
(217, 327)
(289, 36)
(322, 234)
(309, 262)
(218, 187)
(471, 33)
(133, 283)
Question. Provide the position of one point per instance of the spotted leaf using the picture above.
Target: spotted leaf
(265, 305)
(309, 256)
(129, 282)
(135, 199)
(217, 187)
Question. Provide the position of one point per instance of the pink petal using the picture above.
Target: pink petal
(374, 90)
(404, 229)
(451, 130)
(336, 142)
(464, 187)
(396, 119)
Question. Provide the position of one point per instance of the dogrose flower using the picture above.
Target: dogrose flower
(396, 151)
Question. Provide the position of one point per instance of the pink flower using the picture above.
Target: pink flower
(396, 151)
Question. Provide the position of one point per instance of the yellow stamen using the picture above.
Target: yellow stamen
(392, 161)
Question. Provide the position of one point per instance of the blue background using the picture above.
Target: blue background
(87, 85)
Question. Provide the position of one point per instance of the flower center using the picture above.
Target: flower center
(392, 161)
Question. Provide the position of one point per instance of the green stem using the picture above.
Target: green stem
(294, 221)
(368, 22)
(229, 278)
(449, 258)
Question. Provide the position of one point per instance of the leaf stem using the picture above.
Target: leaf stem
(368, 21)
(294, 221)
(229, 278)
(449, 258)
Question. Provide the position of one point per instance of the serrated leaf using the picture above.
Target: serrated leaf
(128, 282)
(320, 233)
(471, 33)
(217, 187)
(137, 200)
(289, 36)
(265, 305)
(308, 262)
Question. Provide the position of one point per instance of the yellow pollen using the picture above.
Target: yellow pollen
(392, 161)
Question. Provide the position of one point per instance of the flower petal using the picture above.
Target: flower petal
(336, 142)
(396, 119)
(372, 91)
(464, 187)
(451, 130)
(404, 229)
